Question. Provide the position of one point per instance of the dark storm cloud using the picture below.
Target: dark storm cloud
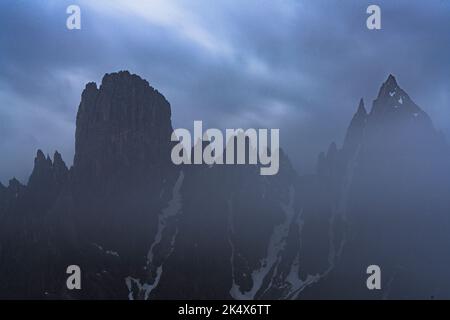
(298, 65)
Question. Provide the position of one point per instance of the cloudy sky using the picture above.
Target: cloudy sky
(300, 66)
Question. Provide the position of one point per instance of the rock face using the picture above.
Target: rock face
(142, 228)
(27, 224)
(122, 161)
(355, 131)
(46, 181)
(123, 130)
(214, 233)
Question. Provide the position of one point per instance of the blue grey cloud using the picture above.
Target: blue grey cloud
(300, 66)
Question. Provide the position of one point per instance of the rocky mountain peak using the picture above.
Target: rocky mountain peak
(361, 111)
(40, 159)
(47, 173)
(57, 159)
(393, 100)
(123, 126)
(355, 129)
(15, 186)
(389, 88)
(42, 167)
(391, 81)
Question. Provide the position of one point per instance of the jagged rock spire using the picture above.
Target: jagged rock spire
(391, 81)
(42, 168)
(361, 109)
(59, 165)
(46, 173)
(394, 100)
(40, 157)
(355, 130)
(389, 87)
(57, 158)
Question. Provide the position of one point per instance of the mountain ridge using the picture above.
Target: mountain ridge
(132, 220)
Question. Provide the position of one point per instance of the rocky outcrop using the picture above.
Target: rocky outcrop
(46, 181)
(355, 131)
(123, 132)
(122, 162)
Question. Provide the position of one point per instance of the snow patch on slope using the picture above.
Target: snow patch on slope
(136, 288)
(269, 264)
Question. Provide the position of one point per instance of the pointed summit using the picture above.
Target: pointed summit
(391, 80)
(356, 128)
(42, 169)
(40, 157)
(58, 160)
(42, 163)
(361, 109)
(389, 88)
(394, 102)
(57, 156)
(60, 169)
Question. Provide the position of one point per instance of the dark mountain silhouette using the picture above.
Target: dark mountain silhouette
(386, 190)
(142, 228)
